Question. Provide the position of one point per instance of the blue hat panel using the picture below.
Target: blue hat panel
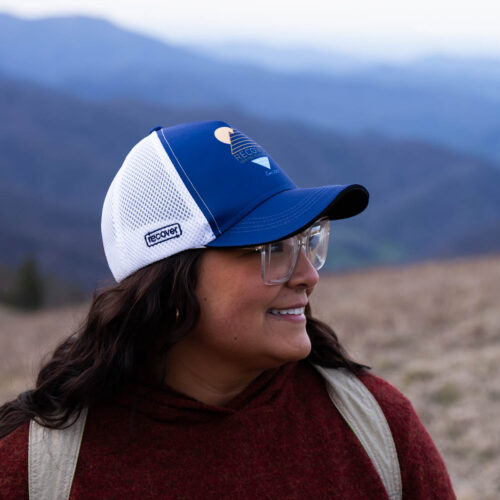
(227, 173)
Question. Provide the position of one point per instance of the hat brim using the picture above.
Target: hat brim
(290, 211)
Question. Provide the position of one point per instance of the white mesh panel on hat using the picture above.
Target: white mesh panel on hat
(147, 198)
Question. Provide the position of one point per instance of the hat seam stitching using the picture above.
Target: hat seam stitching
(194, 187)
(283, 215)
(237, 219)
(277, 222)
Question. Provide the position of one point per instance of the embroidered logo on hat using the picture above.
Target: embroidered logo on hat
(263, 161)
(243, 148)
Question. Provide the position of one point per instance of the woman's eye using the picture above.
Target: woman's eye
(250, 251)
(277, 247)
(314, 240)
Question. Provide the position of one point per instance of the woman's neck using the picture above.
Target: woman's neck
(210, 381)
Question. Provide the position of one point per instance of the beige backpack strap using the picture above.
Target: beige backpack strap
(364, 416)
(52, 457)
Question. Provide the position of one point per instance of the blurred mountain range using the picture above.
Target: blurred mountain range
(76, 94)
(477, 76)
(441, 100)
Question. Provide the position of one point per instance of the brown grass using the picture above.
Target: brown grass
(432, 330)
(25, 338)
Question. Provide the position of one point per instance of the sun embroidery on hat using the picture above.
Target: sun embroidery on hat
(243, 148)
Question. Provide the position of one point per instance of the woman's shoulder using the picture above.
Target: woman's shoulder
(392, 401)
(14, 462)
(397, 408)
(14, 446)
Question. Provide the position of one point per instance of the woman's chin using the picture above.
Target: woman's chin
(296, 349)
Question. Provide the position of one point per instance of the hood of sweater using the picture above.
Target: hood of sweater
(163, 403)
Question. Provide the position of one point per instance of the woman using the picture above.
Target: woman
(201, 373)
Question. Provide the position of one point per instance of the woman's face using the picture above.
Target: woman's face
(242, 320)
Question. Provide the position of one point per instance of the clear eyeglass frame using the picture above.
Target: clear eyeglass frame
(279, 258)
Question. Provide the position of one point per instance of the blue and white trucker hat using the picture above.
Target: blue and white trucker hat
(207, 184)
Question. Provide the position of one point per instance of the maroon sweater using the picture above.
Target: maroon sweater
(280, 438)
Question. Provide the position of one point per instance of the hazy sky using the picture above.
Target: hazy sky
(395, 27)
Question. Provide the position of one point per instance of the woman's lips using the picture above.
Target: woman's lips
(293, 314)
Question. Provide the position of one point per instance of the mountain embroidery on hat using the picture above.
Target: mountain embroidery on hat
(263, 160)
(243, 148)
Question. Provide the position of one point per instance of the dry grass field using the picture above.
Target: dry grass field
(432, 330)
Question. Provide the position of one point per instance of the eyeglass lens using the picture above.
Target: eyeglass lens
(279, 258)
(317, 244)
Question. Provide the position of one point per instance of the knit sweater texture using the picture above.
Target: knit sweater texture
(281, 438)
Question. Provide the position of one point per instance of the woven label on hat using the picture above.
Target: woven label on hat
(163, 234)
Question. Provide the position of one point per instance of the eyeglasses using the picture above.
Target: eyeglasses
(278, 259)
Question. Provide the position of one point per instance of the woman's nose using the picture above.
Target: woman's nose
(304, 275)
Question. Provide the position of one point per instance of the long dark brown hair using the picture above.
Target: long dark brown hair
(131, 325)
